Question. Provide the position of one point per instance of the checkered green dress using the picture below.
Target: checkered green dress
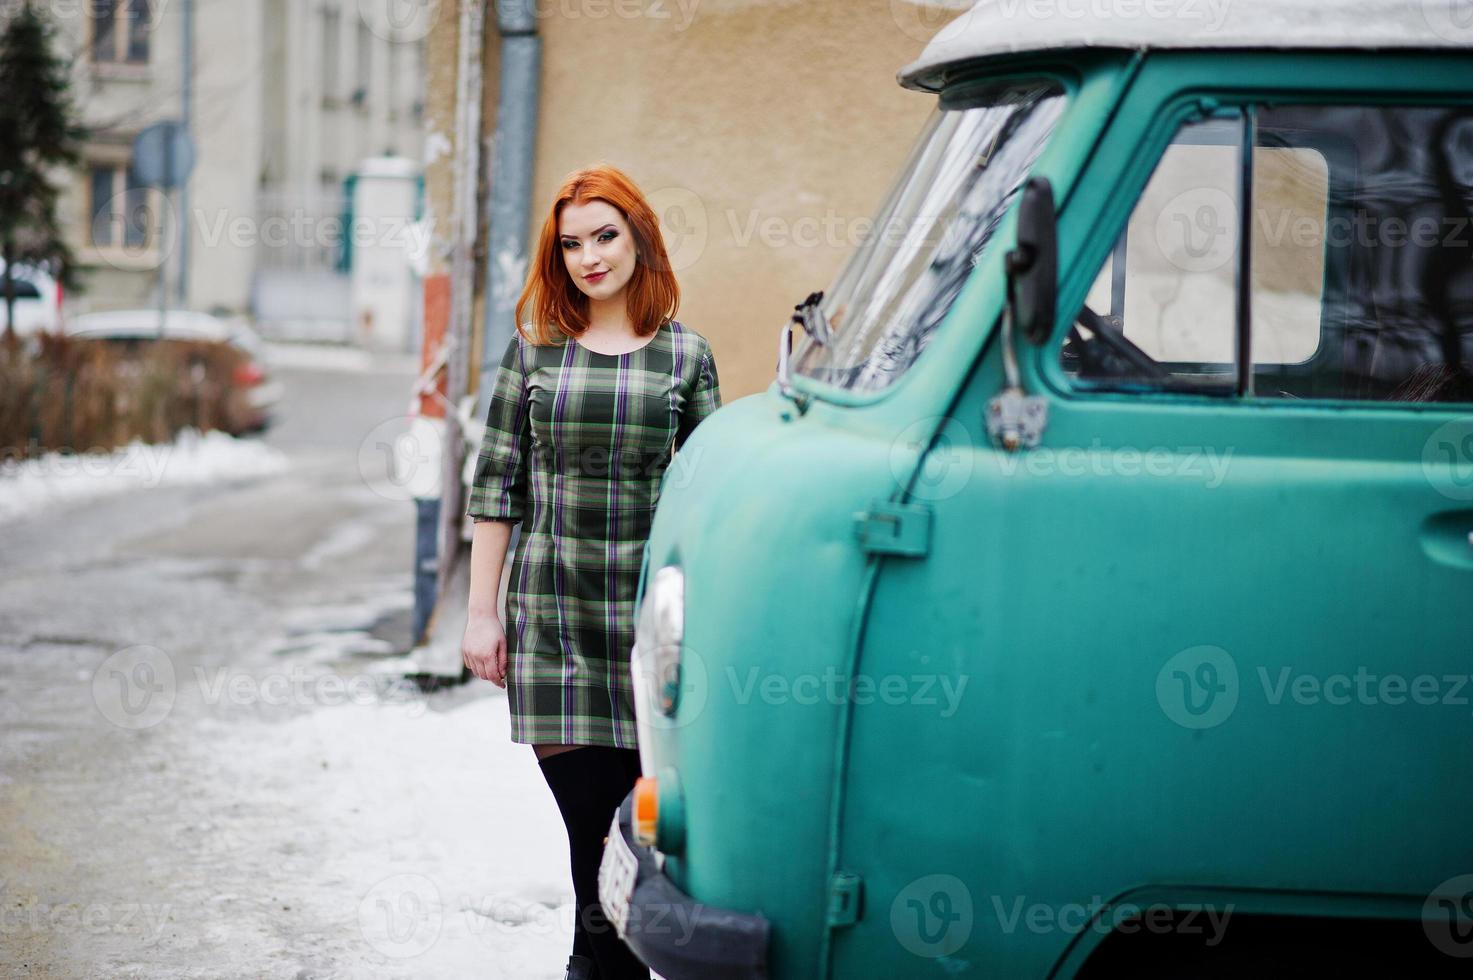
(575, 445)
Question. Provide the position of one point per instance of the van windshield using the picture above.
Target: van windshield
(972, 158)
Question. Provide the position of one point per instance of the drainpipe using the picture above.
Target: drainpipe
(511, 181)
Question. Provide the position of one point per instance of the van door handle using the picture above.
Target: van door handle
(1447, 538)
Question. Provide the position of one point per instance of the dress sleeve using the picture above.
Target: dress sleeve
(498, 490)
(704, 399)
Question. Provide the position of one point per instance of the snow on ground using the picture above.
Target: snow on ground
(445, 855)
(193, 457)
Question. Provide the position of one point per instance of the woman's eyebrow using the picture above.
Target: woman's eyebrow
(595, 231)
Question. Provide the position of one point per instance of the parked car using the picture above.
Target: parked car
(38, 299)
(1091, 592)
(133, 328)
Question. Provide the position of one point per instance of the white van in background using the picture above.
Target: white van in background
(37, 301)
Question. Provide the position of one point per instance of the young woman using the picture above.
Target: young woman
(592, 398)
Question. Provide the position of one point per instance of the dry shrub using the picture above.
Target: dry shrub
(61, 393)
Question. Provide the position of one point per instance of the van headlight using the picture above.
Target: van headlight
(655, 659)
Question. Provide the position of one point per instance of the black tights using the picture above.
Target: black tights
(589, 783)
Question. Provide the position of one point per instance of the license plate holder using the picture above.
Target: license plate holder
(617, 871)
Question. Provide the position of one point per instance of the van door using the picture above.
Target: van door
(1208, 643)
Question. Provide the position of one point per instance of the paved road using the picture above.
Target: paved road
(208, 767)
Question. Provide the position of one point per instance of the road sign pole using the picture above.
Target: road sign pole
(186, 123)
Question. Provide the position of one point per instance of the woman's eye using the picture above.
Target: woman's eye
(608, 236)
(569, 243)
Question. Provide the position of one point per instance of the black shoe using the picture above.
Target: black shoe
(579, 968)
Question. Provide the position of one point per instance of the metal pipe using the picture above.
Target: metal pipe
(186, 120)
(511, 180)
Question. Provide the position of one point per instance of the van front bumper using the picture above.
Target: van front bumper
(680, 938)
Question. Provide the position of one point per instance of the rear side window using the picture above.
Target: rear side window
(1356, 282)
(24, 288)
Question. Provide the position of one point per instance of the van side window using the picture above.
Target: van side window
(1161, 312)
(1360, 263)
(1394, 250)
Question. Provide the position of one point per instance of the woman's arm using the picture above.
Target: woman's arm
(497, 498)
(483, 647)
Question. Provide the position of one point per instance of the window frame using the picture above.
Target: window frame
(121, 20)
(1171, 115)
(118, 250)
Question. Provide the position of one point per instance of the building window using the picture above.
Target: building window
(121, 30)
(120, 208)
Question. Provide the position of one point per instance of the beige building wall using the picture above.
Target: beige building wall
(764, 132)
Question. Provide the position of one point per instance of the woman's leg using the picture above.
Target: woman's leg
(589, 783)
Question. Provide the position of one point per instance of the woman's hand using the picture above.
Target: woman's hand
(483, 648)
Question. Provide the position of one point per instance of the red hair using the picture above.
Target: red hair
(558, 306)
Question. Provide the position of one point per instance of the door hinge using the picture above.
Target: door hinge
(890, 528)
(846, 891)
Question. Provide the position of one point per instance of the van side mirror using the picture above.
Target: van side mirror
(1033, 267)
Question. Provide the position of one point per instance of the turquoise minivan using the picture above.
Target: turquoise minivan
(1091, 593)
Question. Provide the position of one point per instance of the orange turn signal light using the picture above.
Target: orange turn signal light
(646, 810)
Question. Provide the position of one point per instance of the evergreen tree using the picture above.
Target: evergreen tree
(38, 134)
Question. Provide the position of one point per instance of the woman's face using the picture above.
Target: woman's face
(598, 248)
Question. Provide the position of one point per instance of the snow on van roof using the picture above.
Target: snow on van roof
(1000, 27)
